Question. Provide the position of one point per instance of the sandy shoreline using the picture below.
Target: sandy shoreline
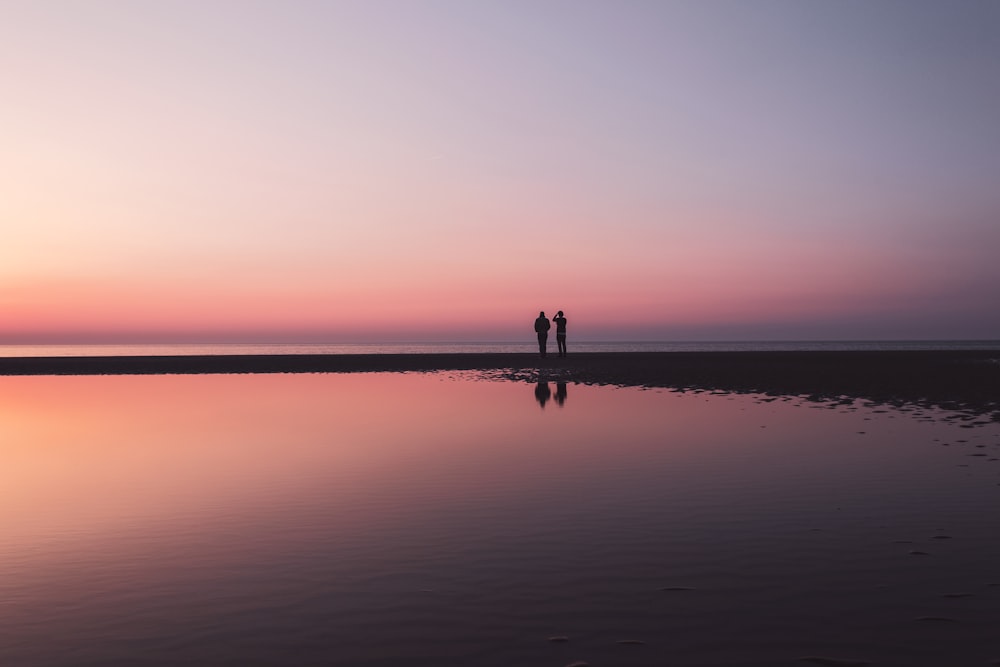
(963, 379)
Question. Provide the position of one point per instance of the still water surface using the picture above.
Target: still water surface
(391, 519)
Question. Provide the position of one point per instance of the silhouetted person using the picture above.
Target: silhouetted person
(542, 393)
(542, 327)
(560, 321)
(560, 393)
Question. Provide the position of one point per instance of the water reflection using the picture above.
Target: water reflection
(560, 393)
(415, 519)
(542, 392)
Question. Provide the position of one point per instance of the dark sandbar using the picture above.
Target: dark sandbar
(957, 379)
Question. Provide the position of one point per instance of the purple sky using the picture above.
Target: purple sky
(444, 170)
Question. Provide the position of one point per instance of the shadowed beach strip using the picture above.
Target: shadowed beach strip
(959, 379)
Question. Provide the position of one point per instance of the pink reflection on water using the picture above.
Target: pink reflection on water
(88, 455)
(155, 506)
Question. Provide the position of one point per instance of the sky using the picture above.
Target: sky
(443, 170)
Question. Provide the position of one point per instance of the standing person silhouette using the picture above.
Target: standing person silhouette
(542, 327)
(560, 321)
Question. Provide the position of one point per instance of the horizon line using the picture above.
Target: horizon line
(525, 341)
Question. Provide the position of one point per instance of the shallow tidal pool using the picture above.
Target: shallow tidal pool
(444, 519)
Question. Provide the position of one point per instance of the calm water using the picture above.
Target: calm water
(524, 346)
(406, 519)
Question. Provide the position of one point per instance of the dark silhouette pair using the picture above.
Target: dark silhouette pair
(543, 393)
(542, 327)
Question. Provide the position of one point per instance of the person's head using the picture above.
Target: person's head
(541, 314)
(559, 314)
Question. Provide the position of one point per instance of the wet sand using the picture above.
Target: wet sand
(965, 380)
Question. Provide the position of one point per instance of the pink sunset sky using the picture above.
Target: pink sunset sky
(388, 171)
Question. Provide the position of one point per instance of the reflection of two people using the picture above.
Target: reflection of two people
(543, 393)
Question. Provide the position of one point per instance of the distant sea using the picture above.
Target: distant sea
(185, 349)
